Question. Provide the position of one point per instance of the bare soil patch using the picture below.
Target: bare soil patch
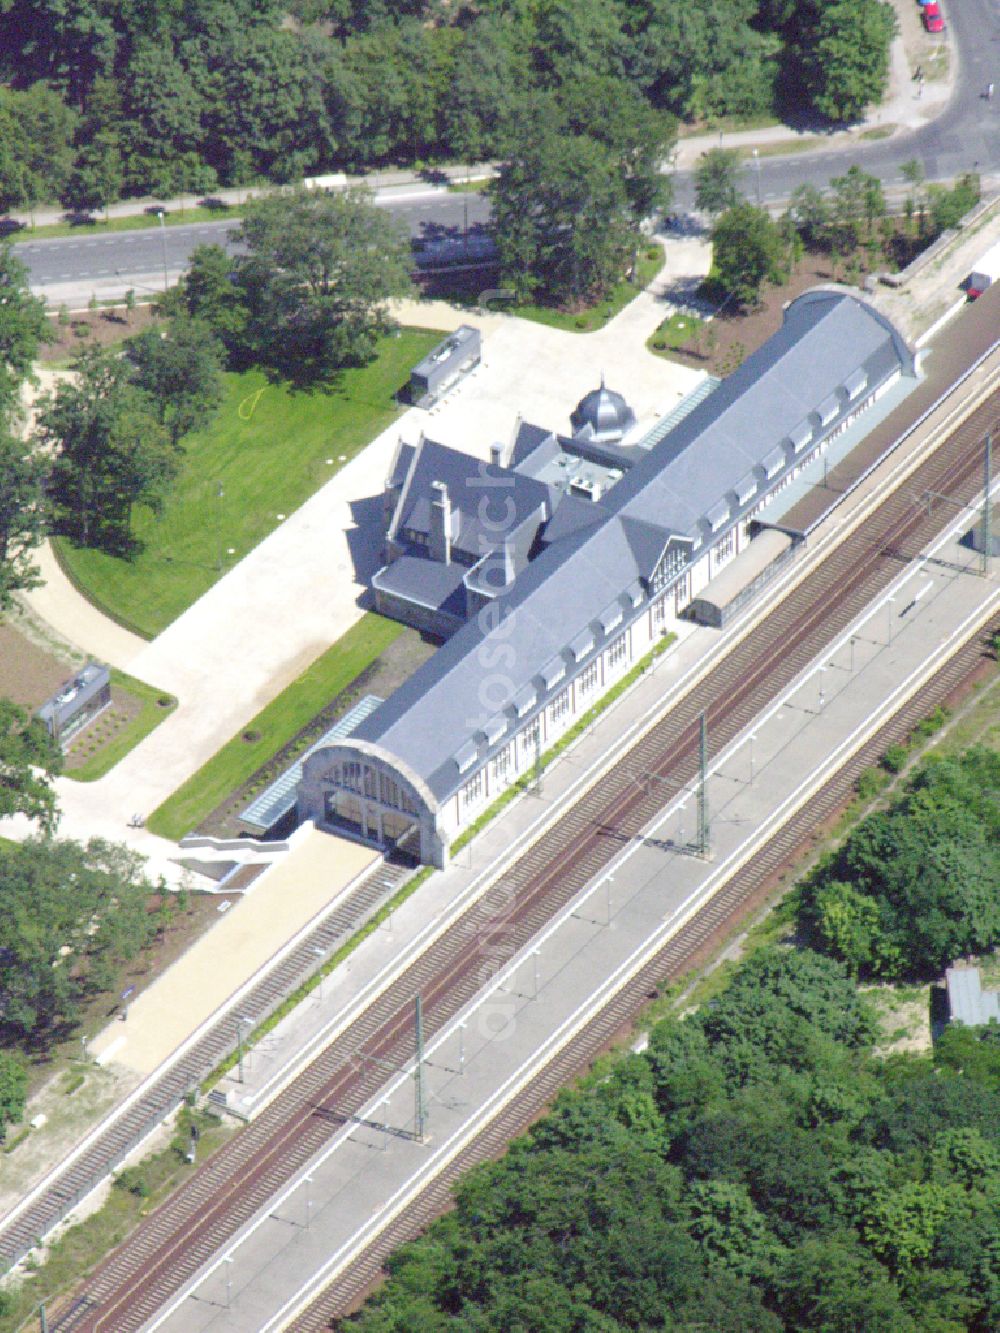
(724, 343)
(29, 673)
(105, 327)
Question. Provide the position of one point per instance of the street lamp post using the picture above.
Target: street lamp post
(163, 244)
(756, 162)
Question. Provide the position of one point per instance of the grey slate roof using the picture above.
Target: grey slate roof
(432, 714)
(428, 582)
(572, 515)
(467, 480)
(826, 337)
(528, 439)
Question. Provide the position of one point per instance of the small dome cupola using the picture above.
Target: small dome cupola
(602, 415)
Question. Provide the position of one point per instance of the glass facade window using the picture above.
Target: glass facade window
(473, 790)
(618, 651)
(559, 706)
(724, 549)
(587, 678)
(530, 739)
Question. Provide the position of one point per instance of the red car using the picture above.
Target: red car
(932, 18)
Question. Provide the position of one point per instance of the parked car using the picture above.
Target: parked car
(932, 17)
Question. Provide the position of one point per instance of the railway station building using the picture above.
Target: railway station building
(572, 588)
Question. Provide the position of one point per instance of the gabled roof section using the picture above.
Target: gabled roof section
(402, 460)
(648, 543)
(529, 438)
(427, 720)
(573, 515)
(475, 526)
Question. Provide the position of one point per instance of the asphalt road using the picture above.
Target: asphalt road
(437, 222)
(966, 136)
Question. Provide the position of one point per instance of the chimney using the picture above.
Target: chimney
(441, 532)
(496, 454)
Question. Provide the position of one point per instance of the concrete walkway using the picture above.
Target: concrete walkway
(59, 604)
(222, 961)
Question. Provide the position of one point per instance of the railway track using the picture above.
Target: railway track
(80, 1176)
(210, 1208)
(696, 940)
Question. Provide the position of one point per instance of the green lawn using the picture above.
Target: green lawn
(674, 332)
(131, 222)
(274, 726)
(596, 316)
(268, 448)
(156, 705)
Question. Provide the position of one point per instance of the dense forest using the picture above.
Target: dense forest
(105, 99)
(761, 1166)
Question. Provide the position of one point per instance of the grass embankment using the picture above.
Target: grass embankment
(80, 1248)
(596, 316)
(155, 705)
(274, 726)
(44, 231)
(677, 330)
(269, 448)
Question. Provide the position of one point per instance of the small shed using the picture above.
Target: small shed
(455, 356)
(76, 702)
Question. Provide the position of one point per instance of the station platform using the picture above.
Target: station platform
(251, 936)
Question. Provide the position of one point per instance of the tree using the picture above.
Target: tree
(850, 927)
(111, 453)
(561, 218)
(23, 326)
(747, 251)
(779, 1005)
(318, 275)
(845, 55)
(67, 913)
(97, 178)
(13, 1089)
(23, 475)
(830, 1284)
(36, 152)
(639, 137)
(949, 206)
(726, 1224)
(479, 113)
(208, 293)
(858, 206)
(809, 212)
(29, 759)
(717, 180)
(180, 370)
(974, 1051)
(930, 865)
